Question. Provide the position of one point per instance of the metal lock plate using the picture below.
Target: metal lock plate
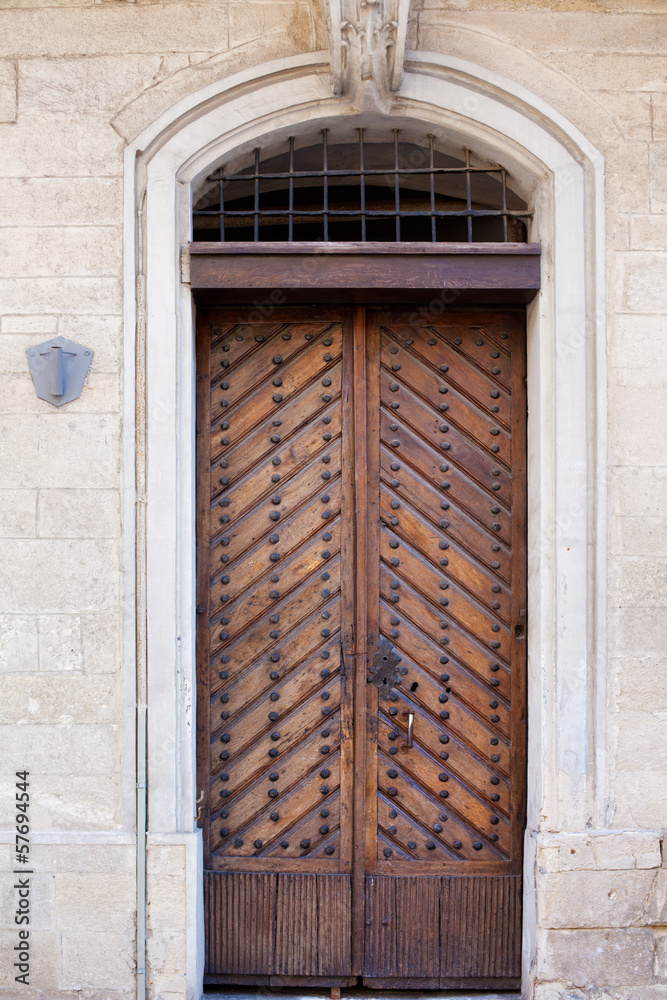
(384, 668)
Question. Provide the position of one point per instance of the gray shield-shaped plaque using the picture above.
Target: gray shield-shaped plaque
(59, 368)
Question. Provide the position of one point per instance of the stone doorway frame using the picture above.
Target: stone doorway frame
(567, 428)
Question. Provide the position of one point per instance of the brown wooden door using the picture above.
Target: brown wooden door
(361, 645)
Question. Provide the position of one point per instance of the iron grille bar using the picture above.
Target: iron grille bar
(394, 175)
(431, 151)
(222, 210)
(362, 185)
(468, 194)
(325, 160)
(385, 213)
(355, 172)
(291, 189)
(397, 189)
(256, 224)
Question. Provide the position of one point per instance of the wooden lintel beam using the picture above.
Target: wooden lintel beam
(349, 266)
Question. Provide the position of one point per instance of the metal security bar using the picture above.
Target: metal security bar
(382, 195)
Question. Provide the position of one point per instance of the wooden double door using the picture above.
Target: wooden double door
(361, 644)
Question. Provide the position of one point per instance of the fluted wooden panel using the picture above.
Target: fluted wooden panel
(240, 919)
(402, 926)
(480, 925)
(458, 927)
(313, 925)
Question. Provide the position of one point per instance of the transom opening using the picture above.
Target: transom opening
(389, 188)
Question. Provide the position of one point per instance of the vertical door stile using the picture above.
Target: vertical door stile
(347, 611)
(361, 498)
(372, 581)
(519, 620)
(203, 436)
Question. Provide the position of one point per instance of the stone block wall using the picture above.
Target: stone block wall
(78, 80)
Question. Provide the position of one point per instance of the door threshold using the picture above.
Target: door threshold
(354, 993)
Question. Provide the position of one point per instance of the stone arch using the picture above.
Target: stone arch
(563, 173)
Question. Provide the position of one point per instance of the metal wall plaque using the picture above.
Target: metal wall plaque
(59, 368)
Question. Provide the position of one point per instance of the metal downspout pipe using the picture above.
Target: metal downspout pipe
(140, 581)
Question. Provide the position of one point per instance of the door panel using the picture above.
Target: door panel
(275, 528)
(361, 581)
(446, 585)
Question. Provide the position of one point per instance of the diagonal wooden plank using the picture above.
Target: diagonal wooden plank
(410, 836)
(435, 501)
(443, 597)
(469, 343)
(493, 642)
(474, 806)
(301, 570)
(462, 459)
(426, 735)
(261, 543)
(465, 743)
(294, 362)
(243, 818)
(242, 727)
(424, 382)
(307, 612)
(253, 444)
(473, 721)
(416, 801)
(466, 381)
(418, 781)
(261, 392)
(255, 484)
(318, 827)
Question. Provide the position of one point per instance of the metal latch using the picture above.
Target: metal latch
(383, 671)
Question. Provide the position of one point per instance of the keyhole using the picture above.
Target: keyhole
(414, 686)
(385, 680)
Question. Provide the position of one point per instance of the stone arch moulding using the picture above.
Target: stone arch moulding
(566, 426)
